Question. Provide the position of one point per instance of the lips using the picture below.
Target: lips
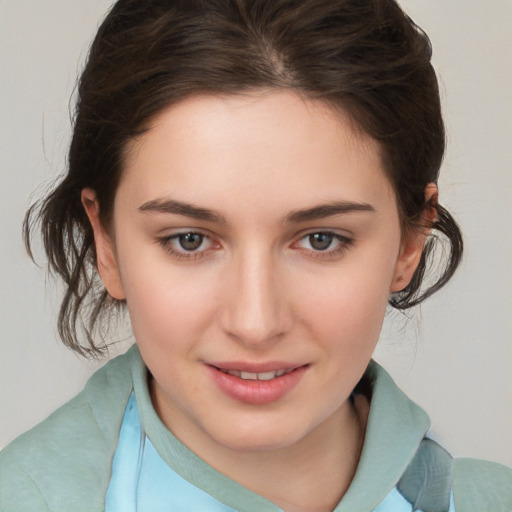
(256, 384)
(257, 376)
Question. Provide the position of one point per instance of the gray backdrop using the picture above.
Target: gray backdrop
(454, 356)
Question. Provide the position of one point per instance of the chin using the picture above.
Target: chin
(259, 438)
(257, 445)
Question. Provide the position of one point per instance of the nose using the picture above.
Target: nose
(255, 312)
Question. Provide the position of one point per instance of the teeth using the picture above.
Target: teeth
(249, 376)
(257, 376)
(267, 375)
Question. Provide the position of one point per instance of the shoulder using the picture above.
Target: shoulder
(480, 485)
(64, 462)
(427, 475)
(433, 477)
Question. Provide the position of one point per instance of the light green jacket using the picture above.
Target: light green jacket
(64, 463)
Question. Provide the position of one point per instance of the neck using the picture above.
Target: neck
(311, 475)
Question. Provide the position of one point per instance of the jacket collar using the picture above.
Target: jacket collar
(395, 429)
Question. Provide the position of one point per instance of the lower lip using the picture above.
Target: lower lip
(256, 392)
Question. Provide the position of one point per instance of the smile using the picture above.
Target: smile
(256, 384)
(257, 376)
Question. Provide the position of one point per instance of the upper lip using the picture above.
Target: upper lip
(245, 366)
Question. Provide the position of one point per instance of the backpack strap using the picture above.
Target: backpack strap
(427, 481)
(480, 486)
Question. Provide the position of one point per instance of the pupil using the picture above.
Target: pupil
(320, 241)
(191, 241)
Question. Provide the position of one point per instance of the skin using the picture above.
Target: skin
(258, 289)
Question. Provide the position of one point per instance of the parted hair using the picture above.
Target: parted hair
(366, 57)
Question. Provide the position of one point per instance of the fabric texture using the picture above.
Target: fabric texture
(108, 444)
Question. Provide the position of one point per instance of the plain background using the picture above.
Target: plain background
(454, 356)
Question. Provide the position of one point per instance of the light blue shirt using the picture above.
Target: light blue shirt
(142, 482)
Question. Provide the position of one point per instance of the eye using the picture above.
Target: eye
(190, 241)
(187, 245)
(321, 241)
(324, 243)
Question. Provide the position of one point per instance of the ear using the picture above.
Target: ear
(105, 251)
(413, 243)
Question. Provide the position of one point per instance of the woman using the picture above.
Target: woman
(253, 181)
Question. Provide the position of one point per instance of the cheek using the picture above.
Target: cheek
(165, 303)
(350, 303)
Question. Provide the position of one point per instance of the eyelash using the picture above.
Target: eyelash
(167, 244)
(344, 244)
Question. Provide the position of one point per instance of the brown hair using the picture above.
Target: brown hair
(364, 56)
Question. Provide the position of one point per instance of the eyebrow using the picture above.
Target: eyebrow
(171, 206)
(327, 210)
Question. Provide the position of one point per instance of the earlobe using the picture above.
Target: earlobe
(105, 253)
(407, 262)
(412, 246)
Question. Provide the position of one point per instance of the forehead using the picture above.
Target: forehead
(274, 148)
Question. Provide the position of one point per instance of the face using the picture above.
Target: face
(256, 240)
